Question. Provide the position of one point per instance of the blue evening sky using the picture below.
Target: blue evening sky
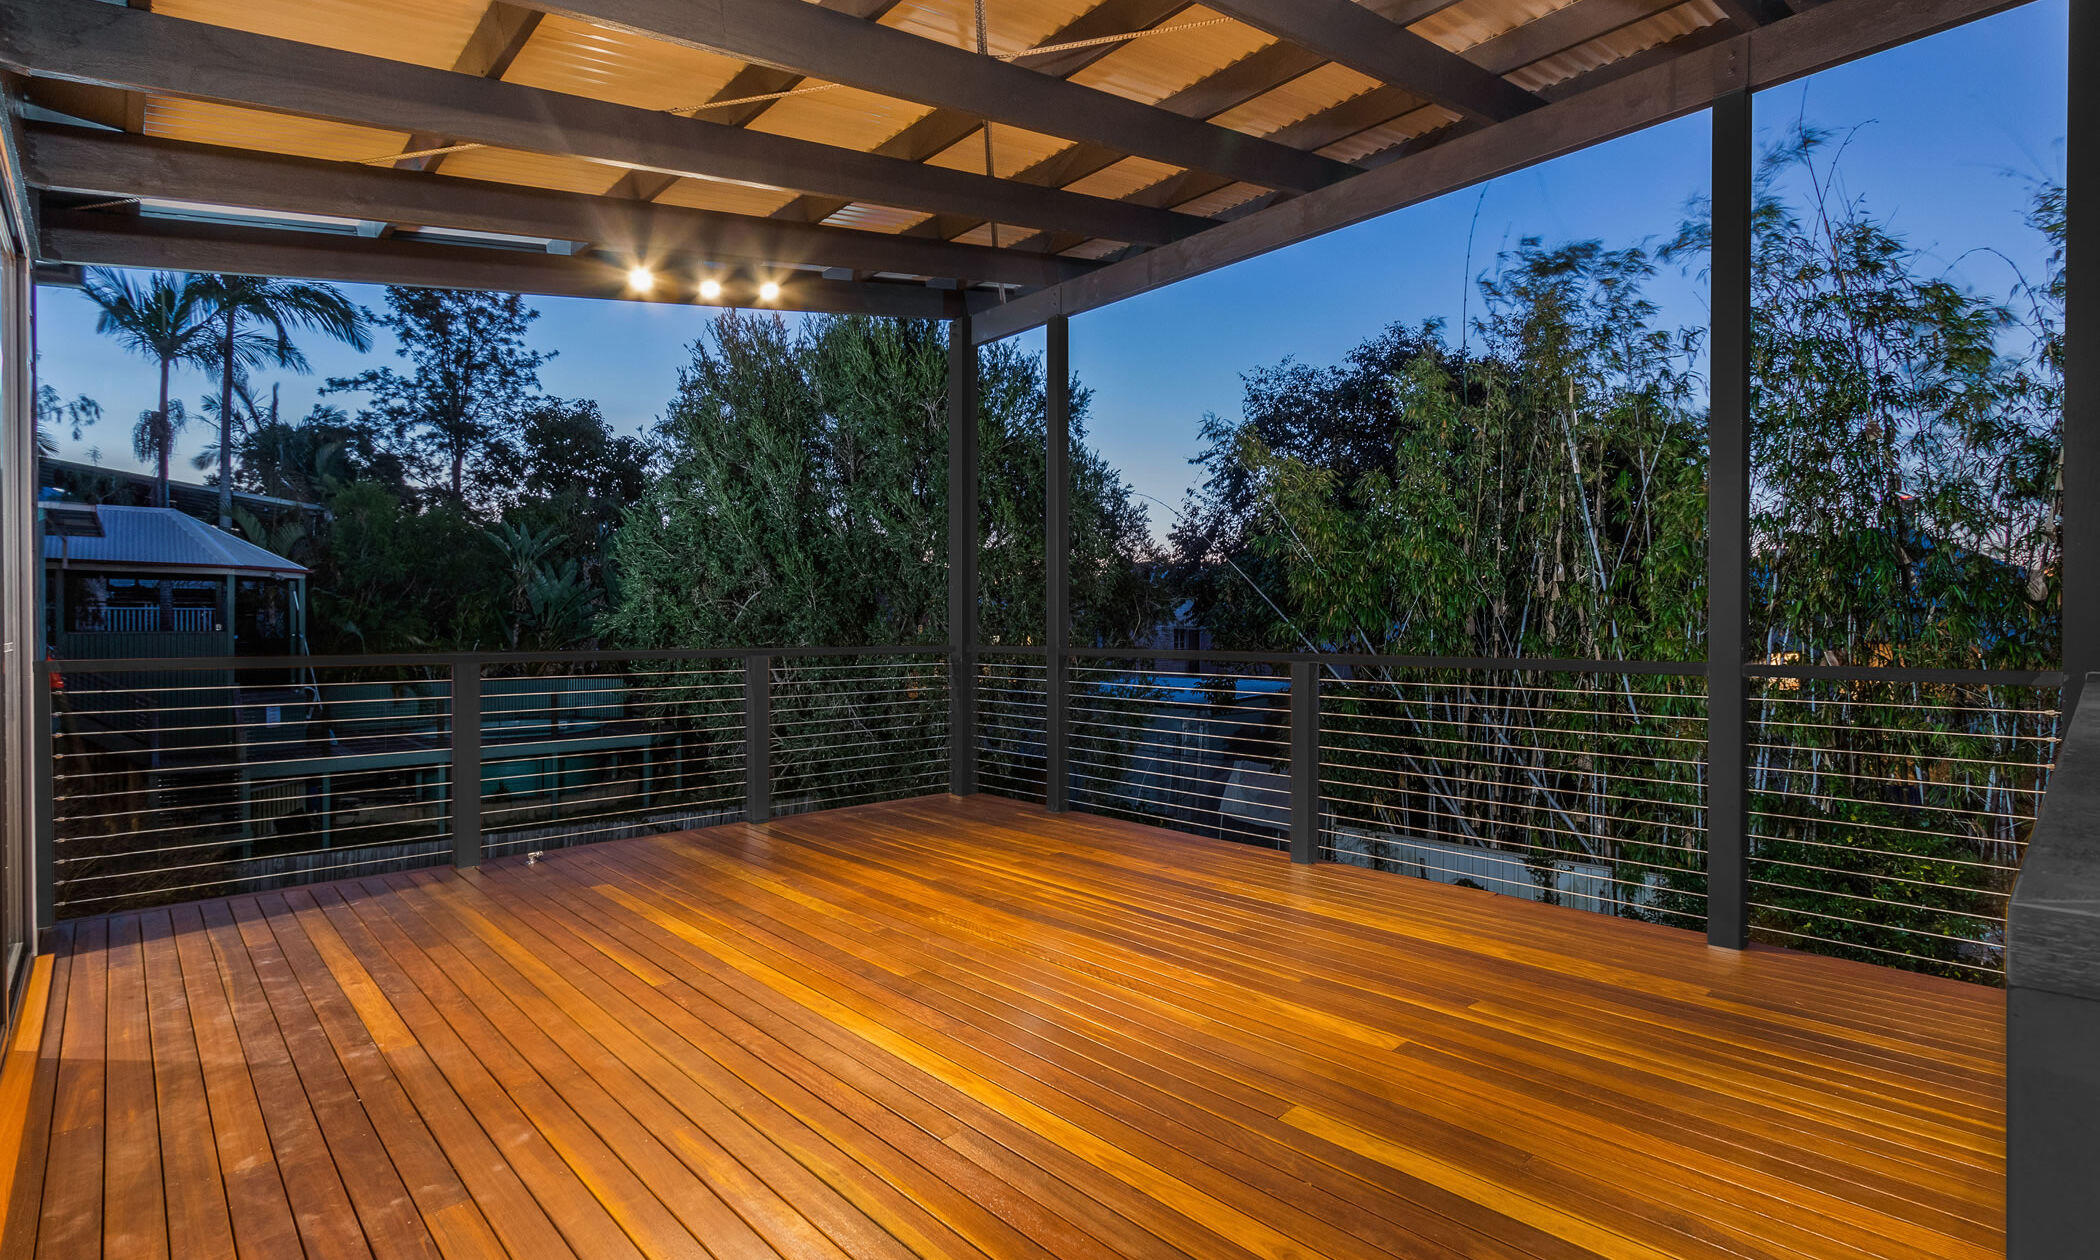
(1958, 129)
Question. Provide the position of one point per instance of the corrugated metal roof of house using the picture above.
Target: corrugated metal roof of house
(166, 538)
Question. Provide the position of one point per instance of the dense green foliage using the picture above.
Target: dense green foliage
(802, 497)
(1906, 443)
(1543, 496)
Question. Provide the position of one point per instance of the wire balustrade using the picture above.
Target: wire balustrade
(181, 780)
(1885, 819)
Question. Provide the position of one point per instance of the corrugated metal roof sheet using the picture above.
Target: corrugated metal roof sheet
(1296, 100)
(165, 538)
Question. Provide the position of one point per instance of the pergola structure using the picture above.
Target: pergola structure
(862, 154)
(912, 159)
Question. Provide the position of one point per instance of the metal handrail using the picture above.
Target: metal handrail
(434, 659)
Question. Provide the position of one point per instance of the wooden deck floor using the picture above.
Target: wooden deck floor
(947, 1028)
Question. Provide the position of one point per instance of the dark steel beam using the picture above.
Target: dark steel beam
(1350, 34)
(1728, 527)
(751, 81)
(1826, 35)
(942, 129)
(1564, 28)
(1330, 660)
(130, 240)
(77, 159)
(90, 102)
(1262, 71)
(491, 47)
(2052, 960)
(1750, 14)
(1057, 568)
(807, 39)
(1251, 76)
(85, 41)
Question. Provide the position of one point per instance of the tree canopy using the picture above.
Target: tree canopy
(1543, 496)
(457, 411)
(802, 494)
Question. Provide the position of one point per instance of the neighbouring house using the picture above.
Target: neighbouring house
(155, 582)
(1179, 631)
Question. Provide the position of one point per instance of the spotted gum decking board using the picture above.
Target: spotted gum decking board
(950, 1027)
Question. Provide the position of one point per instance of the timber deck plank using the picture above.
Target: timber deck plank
(964, 1027)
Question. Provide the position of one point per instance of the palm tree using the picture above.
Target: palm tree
(166, 319)
(277, 306)
(153, 437)
(249, 418)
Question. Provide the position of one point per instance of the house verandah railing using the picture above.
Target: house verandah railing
(1885, 817)
(176, 780)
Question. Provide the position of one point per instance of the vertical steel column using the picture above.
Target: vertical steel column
(1305, 760)
(43, 779)
(758, 738)
(31, 790)
(1057, 569)
(962, 558)
(466, 763)
(23, 530)
(2052, 1078)
(25, 703)
(2081, 419)
(1728, 529)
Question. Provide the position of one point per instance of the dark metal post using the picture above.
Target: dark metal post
(962, 558)
(1305, 760)
(44, 800)
(758, 738)
(2052, 1015)
(2052, 1107)
(1057, 570)
(1728, 530)
(466, 763)
(2081, 419)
